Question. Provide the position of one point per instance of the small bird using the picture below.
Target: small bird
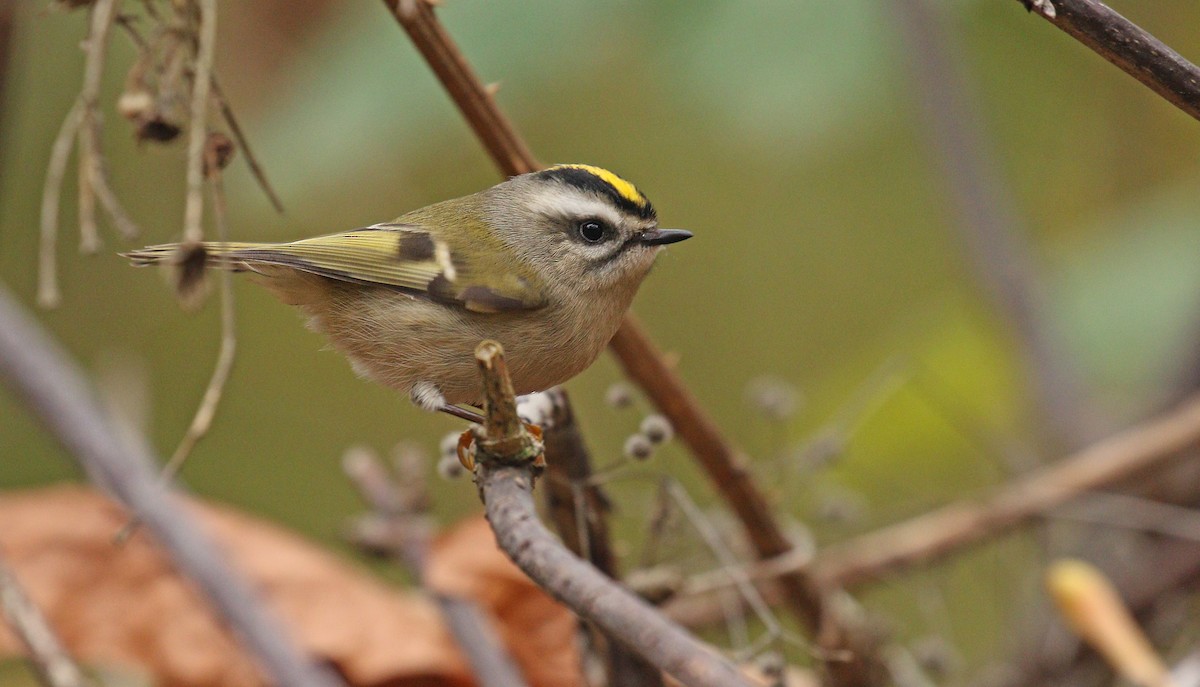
(546, 263)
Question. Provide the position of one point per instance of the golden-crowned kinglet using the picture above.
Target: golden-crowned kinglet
(545, 263)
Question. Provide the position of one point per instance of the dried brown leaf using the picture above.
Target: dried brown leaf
(538, 631)
(126, 606)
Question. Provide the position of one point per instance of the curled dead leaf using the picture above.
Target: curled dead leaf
(126, 606)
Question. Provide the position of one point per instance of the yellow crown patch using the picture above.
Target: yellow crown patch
(625, 189)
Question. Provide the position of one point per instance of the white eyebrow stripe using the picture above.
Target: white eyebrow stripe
(566, 202)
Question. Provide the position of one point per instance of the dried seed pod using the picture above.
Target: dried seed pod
(657, 429)
(619, 395)
(190, 283)
(449, 467)
(639, 447)
(218, 152)
(773, 397)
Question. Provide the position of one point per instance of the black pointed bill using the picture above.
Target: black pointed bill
(661, 237)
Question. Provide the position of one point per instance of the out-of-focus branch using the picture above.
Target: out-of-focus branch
(990, 225)
(50, 660)
(402, 530)
(508, 457)
(947, 530)
(42, 376)
(642, 360)
(1128, 46)
(8, 17)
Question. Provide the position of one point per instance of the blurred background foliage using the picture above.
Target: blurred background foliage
(787, 135)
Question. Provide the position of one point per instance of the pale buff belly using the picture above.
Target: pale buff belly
(400, 341)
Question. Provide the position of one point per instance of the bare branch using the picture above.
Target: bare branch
(53, 664)
(645, 364)
(36, 369)
(507, 466)
(724, 463)
(1128, 46)
(243, 143)
(953, 527)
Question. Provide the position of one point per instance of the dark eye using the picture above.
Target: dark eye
(592, 230)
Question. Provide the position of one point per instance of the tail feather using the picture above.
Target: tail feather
(216, 254)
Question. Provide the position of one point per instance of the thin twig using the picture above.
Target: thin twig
(202, 420)
(407, 523)
(193, 231)
(38, 372)
(48, 293)
(95, 179)
(730, 564)
(726, 466)
(243, 143)
(1128, 46)
(507, 460)
(53, 665)
(89, 230)
(239, 136)
(949, 529)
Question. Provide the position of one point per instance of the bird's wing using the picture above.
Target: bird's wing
(407, 257)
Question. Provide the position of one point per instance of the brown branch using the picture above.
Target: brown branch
(39, 373)
(724, 463)
(934, 535)
(508, 457)
(400, 511)
(579, 510)
(53, 665)
(642, 360)
(1128, 46)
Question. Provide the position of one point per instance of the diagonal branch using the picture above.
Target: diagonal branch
(35, 368)
(954, 527)
(642, 360)
(1128, 46)
(508, 463)
(579, 509)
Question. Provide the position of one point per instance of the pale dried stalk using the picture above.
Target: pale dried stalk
(94, 183)
(198, 126)
(54, 666)
(48, 293)
(202, 420)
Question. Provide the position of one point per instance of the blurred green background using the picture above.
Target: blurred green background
(787, 135)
